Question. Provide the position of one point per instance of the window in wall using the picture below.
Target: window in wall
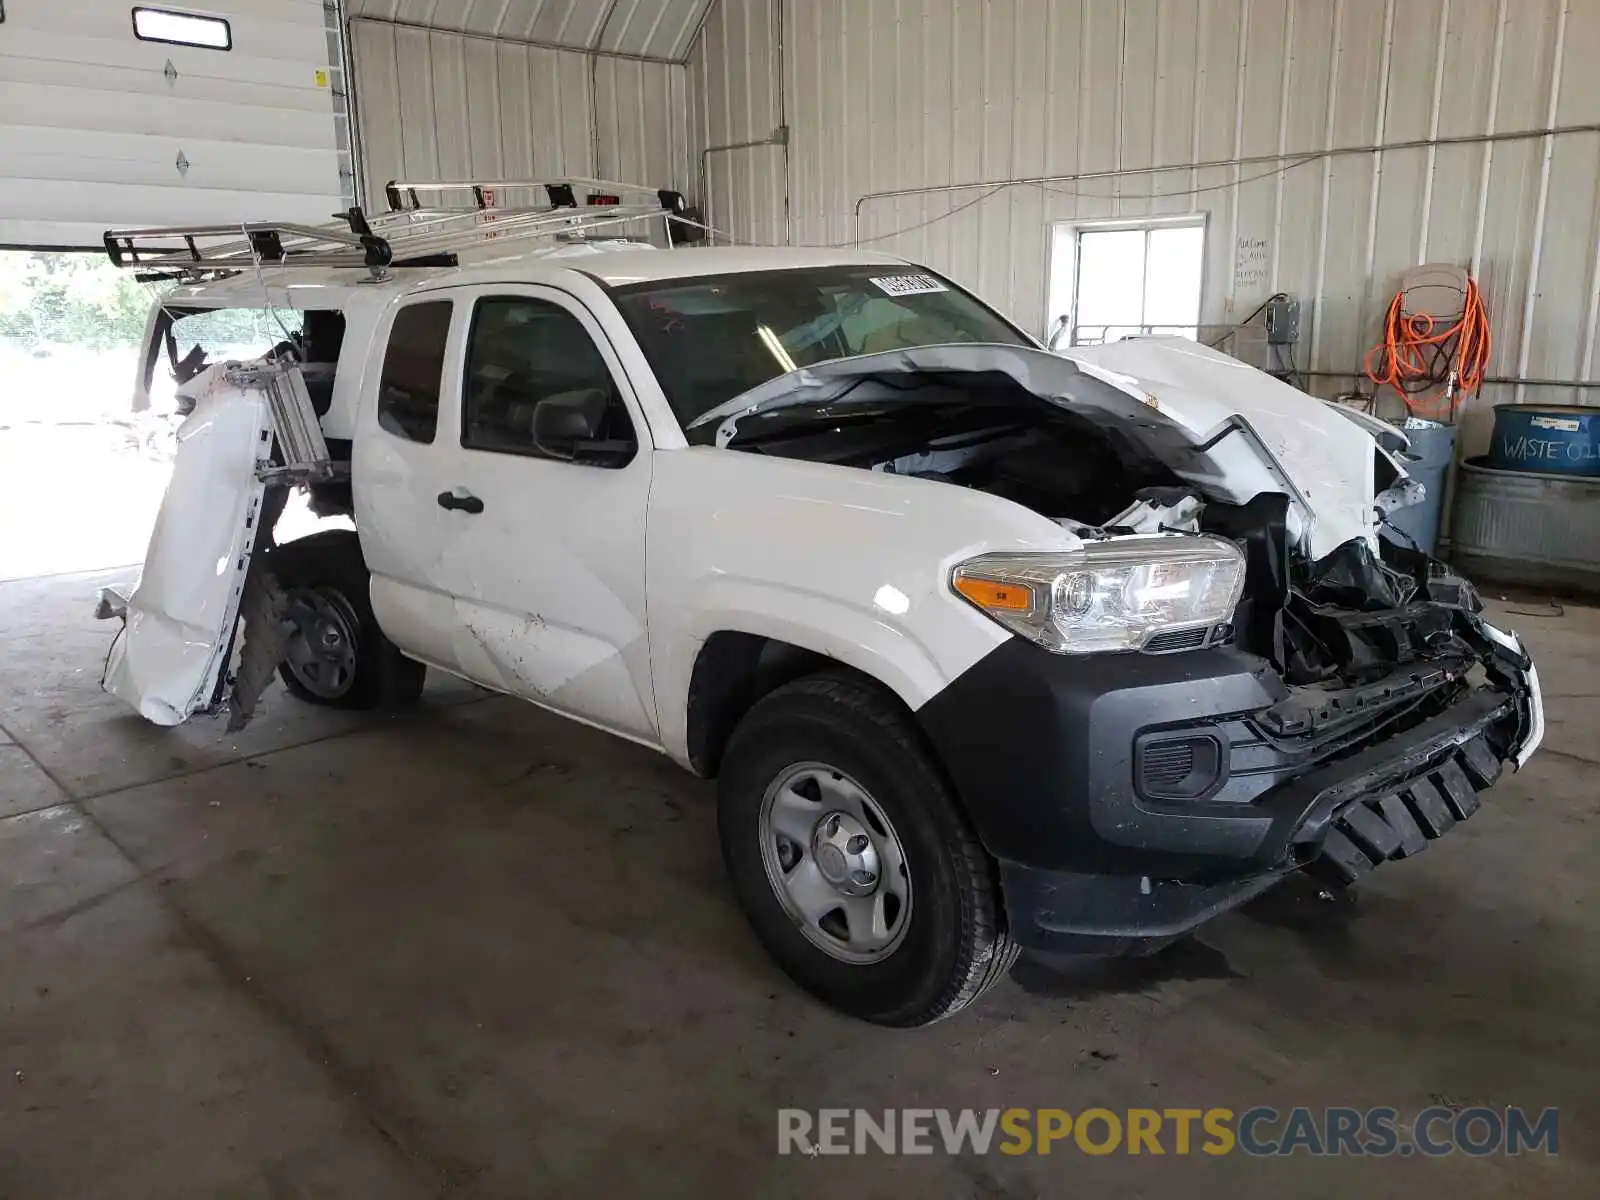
(523, 351)
(1110, 283)
(408, 392)
(182, 29)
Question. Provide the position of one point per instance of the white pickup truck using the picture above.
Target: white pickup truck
(988, 647)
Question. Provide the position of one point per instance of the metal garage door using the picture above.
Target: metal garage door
(100, 126)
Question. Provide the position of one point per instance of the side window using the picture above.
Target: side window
(408, 393)
(523, 353)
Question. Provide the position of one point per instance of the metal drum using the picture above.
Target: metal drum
(1432, 449)
(1526, 527)
(1558, 439)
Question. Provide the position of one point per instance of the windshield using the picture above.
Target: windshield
(711, 339)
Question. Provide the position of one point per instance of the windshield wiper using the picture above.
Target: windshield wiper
(785, 421)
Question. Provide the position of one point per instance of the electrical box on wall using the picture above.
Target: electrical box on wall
(1283, 321)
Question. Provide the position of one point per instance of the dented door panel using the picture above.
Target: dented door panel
(548, 576)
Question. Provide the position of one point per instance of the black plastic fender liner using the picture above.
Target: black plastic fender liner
(1261, 528)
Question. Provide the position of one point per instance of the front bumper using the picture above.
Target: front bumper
(1044, 751)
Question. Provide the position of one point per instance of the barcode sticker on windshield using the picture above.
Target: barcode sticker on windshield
(909, 285)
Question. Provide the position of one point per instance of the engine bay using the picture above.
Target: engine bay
(1350, 620)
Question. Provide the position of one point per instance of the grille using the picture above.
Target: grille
(1169, 766)
(1178, 639)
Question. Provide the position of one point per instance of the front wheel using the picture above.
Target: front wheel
(851, 859)
(335, 654)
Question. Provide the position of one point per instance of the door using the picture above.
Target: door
(544, 483)
(396, 469)
(118, 113)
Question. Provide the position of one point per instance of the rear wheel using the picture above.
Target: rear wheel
(851, 859)
(335, 653)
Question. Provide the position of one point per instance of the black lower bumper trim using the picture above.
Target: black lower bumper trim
(1401, 823)
(1060, 912)
(1069, 768)
(1071, 912)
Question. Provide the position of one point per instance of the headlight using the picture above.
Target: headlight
(1110, 595)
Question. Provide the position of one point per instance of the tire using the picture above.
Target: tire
(325, 582)
(933, 952)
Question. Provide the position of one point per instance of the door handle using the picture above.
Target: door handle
(466, 502)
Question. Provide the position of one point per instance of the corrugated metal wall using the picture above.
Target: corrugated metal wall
(736, 92)
(662, 29)
(437, 105)
(895, 94)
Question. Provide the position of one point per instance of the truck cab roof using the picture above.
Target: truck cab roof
(613, 262)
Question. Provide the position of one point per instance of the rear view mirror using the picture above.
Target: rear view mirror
(568, 426)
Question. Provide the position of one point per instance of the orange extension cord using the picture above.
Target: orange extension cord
(1421, 362)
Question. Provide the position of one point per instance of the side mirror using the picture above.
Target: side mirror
(567, 427)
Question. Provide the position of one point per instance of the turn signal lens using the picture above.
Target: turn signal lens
(1107, 595)
(988, 593)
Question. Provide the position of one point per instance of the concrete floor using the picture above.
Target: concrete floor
(479, 951)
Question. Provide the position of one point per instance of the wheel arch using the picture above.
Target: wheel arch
(734, 670)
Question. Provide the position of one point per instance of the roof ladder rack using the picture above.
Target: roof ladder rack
(412, 234)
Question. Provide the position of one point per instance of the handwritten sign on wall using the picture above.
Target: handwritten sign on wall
(1251, 258)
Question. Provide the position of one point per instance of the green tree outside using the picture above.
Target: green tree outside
(79, 299)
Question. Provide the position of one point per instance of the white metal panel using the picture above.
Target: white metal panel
(734, 94)
(906, 94)
(435, 105)
(99, 128)
(642, 113)
(655, 29)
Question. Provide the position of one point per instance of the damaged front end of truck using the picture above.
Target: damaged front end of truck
(1347, 713)
(1386, 661)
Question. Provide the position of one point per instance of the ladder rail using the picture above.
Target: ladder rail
(518, 227)
(399, 192)
(265, 242)
(403, 236)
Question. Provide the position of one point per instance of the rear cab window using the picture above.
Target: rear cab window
(413, 370)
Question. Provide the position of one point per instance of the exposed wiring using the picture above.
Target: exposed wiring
(1195, 191)
(1427, 361)
(995, 190)
(1238, 325)
(945, 216)
(1300, 381)
(1283, 365)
